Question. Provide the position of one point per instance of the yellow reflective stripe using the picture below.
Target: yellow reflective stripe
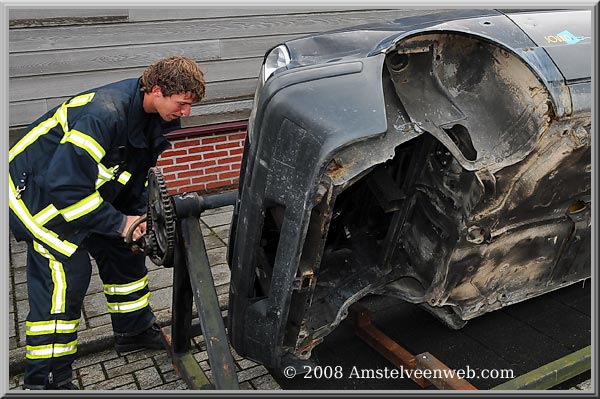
(125, 289)
(85, 142)
(83, 207)
(124, 178)
(35, 133)
(81, 100)
(105, 174)
(61, 115)
(44, 235)
(50, 350)
(46, 214)
(59, 280)
(146, 183)
(51, 327)
(44, 127)
(59, 293)
(126, 307)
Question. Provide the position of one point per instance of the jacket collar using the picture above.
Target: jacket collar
(147, 130)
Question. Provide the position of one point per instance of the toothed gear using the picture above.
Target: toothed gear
(160, 226)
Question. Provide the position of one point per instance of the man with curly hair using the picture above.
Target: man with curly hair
(76, 185)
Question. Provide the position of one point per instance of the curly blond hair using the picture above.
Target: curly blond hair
(174, 75)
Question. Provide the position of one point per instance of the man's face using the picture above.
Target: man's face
(174, 106)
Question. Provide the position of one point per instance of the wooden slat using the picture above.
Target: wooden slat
(41, 13)
(46, 86)
(103, 58)
(24, 112)
(161, 14)
(56, 38)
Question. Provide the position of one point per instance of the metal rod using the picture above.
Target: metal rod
(209, 312)
(383, 344)
(553, 373)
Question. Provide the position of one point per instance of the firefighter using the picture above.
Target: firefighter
(77, 179)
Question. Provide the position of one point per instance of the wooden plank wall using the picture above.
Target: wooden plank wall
(56, 53)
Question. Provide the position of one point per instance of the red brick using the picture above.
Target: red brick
(216, 169)
(175, 168)
(237, 151)
(231, 144)
(222, 161)
(228, 175)
(173, 153)
(216, 184)
(177, 183)
(203, 164)
(192, 173)
(216, 154)
(186, 143)
(194, 187)
(213, 139)
(202, 179)
(235, 166)
(238, 136)
(188, 158)
(235, 181)
(164, 162)
(204, 148)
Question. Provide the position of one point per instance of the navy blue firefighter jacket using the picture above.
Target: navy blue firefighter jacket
(81, 167)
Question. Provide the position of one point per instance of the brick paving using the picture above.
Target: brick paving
(98, 366)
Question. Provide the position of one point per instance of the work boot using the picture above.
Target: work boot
(151, 338)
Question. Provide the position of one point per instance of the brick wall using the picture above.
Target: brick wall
(203, 159)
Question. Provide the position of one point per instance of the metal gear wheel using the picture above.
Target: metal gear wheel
(160, 225)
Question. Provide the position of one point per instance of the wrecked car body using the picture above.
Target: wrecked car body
(444, 160)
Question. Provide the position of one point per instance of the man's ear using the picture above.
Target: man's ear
(156, 91)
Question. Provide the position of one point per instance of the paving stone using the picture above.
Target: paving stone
(200, 356)
(246, 364)
(218, 219)
(221, 274)
(98, 321)
(16, 246)
(129, 368)
(21, 292)
(22, 310)
(98, 357)
(12, 343)
(110, 364)
(170, 376)
(160, 278)
(222, 232)
(222, 289)
(217, 256)
(248, 374)
(246, 386)
(265, 382)
(228, 208)
(11, 326)
(95, 305)
(163, 362)
(115, 383)
(19, 271)
(148, 378)
(95, 285)
(128, 387)
(161, 299)
(21, 334)
(91, 374)
(212, 241)
(173, 386)
(143, 354)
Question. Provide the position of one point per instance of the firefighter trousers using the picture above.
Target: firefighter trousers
(56, 290)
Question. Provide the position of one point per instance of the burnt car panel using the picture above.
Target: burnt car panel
(447, 164)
